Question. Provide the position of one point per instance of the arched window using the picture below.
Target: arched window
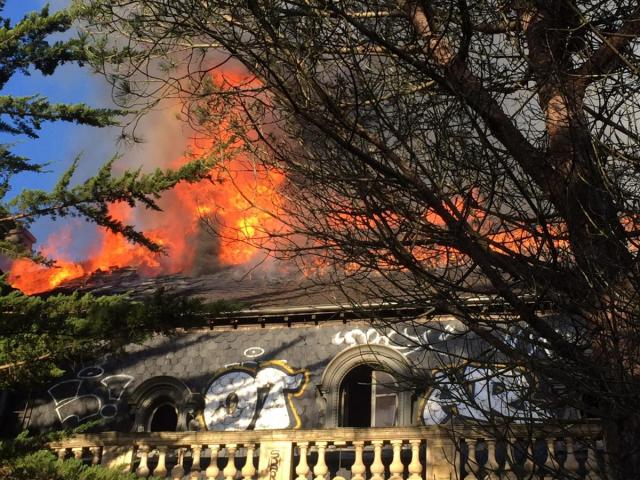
(163, 404)
(360, 392)
(368, 398)
(164, 419)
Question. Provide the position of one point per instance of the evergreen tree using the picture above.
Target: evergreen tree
(24, 48)
(38, 334)
(25, 458)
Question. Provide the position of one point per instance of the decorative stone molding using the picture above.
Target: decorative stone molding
(377, 356)
(160, 390)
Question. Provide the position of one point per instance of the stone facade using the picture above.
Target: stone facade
(270, 377)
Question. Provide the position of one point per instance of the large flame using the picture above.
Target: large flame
(238, 200)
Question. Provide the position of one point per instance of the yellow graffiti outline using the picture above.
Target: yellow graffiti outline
(425, 397)
(282, 364)
(298, 393)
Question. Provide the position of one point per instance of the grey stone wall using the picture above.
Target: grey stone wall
(249, 378)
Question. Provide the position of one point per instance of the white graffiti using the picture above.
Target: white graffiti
(243, 398)
(253, 352)
(86, 397)
(406, 342)
(480, 394)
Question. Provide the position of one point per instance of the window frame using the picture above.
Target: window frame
(157, 391)
(378, 357)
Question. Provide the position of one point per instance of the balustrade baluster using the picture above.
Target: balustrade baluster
(302, 469)
(62, 453)
(249, 468)
(77, 453)
(377, 467)
(510, 469)
(571, 462)
(95, 455)
(196, 453)
(528, 465)
(551, 464)
(161, 468)
(415, 467)
(396, 468)
(143, 468)
(177, 472)
(230, 469)
(320, 469)
(472, 466)
(591, 466)
(358, 469)
(492, 464)
(213, 470)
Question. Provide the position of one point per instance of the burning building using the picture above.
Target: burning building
(305, 381)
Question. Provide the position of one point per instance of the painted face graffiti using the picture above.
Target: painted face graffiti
(89, 395)
(258, 398)
(480, 394)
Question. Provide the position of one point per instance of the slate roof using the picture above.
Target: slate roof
(276, 292)
(257, 288)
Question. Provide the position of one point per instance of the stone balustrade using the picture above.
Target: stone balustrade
(403, 453)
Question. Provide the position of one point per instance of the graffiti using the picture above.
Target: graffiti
(533, 344)
(253, 352)
(411, 340)
(254, 397)
(480, 394)
(89, 395)
(274, 464)
(406, 342)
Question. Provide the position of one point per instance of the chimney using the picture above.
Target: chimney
(19, 235)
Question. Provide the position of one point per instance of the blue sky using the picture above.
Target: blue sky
(59, 143)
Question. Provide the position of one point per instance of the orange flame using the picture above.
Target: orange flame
(238, 200)
(239, 203)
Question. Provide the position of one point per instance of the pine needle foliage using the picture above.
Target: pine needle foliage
(39, 335)
(25, 458)
(25, 47)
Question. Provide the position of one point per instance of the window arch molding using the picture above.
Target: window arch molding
(377, 356)
(158, 391)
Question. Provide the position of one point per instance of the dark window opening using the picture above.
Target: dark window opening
(368, 399)
(164, 419)
(355, 397)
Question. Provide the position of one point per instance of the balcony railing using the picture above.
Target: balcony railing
(407, 453)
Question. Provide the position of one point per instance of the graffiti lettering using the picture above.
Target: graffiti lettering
(274, 464)
(244, 398)
(88, 395)
(406, 342)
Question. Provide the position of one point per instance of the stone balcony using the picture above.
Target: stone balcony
(411, 453)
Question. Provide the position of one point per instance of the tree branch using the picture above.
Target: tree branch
(609, 56)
